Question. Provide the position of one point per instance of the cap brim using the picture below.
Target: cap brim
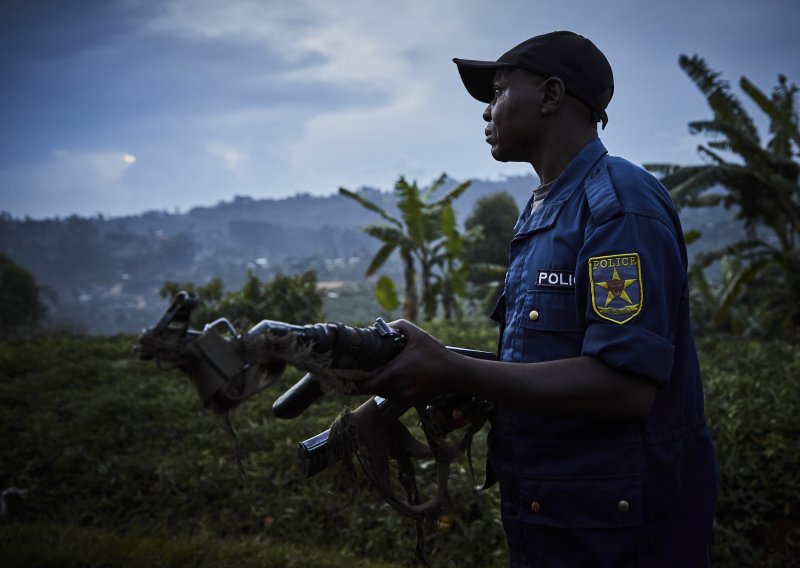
(478, 77)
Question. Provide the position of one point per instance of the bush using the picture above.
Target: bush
(21, 309)
(69, 546)
(103, 441)
(752, 396)
(293, 299)
(113, 451)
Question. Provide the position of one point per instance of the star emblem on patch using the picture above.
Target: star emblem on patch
(616, 285)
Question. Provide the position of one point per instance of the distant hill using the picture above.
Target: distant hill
(102, 275)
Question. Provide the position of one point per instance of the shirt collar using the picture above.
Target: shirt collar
(576, 170)
(563, 187)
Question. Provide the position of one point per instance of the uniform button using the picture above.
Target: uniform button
(623, 506)
(595, 173)
(535, 507)
(534, 315)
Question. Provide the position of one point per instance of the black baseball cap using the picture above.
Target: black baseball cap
(574, 59)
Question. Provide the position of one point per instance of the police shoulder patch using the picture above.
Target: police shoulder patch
(616, 284)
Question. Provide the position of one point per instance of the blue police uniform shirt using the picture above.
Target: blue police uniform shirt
(600, 269)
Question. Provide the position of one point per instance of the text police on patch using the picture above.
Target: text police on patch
(555, 279)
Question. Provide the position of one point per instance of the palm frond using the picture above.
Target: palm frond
(696, 181)
(691, 236)
(453, 194)
(385, 233)
(747, 148)
(723, 145)
(726, 107)
(781, 111)
(434, 187)
(386, 293)
(707, 200)
(367, 204)
(745, 248)
(663, 169)
(736, 288)
(453, 242)
(759, 287)
(680, 174)
(701, 286)
(412, 208)
(380, 258)
(710, 155)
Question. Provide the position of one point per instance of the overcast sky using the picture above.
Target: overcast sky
(122, 106)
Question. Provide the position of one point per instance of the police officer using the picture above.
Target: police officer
(599, 443)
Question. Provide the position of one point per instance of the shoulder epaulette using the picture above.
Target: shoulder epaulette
(603, 201)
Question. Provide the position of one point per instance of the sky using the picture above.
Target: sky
(116, 107)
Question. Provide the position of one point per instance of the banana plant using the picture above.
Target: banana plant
(417, 236)
(761, 183)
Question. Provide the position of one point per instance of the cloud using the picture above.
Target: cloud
(310, 42)
(232, 159)
(96, 172)
(393, 65)
(68, 182)
(272, 97)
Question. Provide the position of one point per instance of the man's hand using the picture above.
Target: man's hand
(423, 370)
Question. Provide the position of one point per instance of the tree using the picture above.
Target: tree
(760, 288)
(210, 296)
(417, 236)
(20, 306)
(494, 217)
(289, 298)
(293, 298)
(450, 281)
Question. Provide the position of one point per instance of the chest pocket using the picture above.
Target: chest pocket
(550, 325)
(551, 310)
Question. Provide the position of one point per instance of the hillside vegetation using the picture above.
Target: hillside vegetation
(102, 275)
(123, 467)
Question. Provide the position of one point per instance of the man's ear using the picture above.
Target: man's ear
(553, 95)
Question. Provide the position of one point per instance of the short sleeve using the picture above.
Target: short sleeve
(632, 278)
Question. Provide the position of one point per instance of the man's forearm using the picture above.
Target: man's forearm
(578, 387)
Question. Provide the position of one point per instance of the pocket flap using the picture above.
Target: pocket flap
(551, 310)
(582, 502)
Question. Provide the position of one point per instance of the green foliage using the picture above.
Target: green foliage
(108, 443)
(468, 334)
(752, 401)
(289, 298)
(762, 184)
(426, 236)
(210, 296)
(354, 303)
(70, 546)
(20, 306)
(496, 215)
(493, 217)
(386, 293)
(124, 468)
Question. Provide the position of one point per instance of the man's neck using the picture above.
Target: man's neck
(558, 153)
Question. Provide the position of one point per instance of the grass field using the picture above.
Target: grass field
(123, 467)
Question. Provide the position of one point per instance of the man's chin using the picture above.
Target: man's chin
(498, 155)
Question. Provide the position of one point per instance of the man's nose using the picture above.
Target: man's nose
(487, 113)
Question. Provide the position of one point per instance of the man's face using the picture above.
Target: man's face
(513, 117)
